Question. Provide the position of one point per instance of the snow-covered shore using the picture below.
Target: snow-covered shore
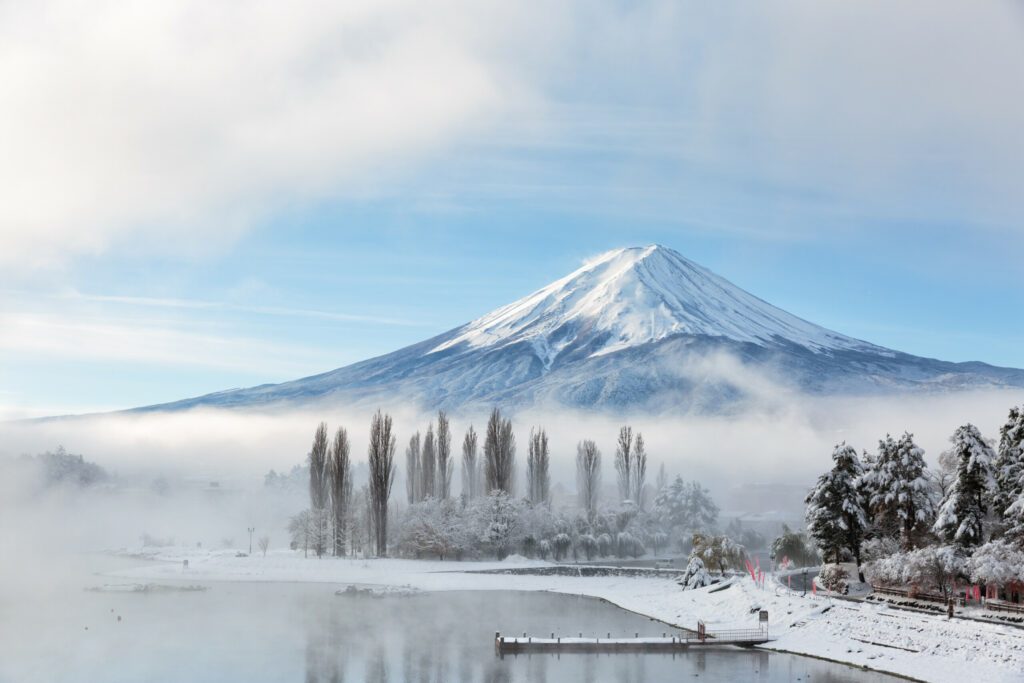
(919, 646)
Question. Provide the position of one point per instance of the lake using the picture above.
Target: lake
(262, 632)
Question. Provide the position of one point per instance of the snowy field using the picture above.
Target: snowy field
(919, 646)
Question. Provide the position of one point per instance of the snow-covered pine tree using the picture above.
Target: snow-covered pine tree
(836, 517)
(901, 500)
(695, 575)
(962, 515)
(1009, 465)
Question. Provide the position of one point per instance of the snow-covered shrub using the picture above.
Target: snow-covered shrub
(543, 550)
(997, 562)
(659, 539)
(560, 545)
(604, 545)
(879, 548)
(834, 577)
(794, 546)
(718, 552)
(588, 545)
(930, 568)
(628, 545)
(695, 575)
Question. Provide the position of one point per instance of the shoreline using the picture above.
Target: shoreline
(922, 647)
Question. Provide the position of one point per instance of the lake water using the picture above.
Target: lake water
(262, 632)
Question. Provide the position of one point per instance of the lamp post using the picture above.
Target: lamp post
(251, 529)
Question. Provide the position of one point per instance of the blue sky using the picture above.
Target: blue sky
(327, 185)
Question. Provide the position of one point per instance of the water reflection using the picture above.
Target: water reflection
(446, 637)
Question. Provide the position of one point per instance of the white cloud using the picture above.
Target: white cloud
(184, 122)
(179, 125)
(163, 342)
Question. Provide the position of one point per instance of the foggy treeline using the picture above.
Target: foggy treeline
(493, 515)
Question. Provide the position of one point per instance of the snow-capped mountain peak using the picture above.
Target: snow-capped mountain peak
(637, 295)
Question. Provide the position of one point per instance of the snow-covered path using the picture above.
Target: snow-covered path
(920, 646)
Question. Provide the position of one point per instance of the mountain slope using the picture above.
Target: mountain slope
(636, 327)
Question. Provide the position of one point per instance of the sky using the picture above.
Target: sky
(197, 197)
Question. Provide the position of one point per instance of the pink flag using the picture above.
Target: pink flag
(814, 588)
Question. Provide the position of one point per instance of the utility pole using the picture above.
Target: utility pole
(251, 529)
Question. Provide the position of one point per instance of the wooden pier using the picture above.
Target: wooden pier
(504, 645)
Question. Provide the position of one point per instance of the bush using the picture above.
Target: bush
(834, 577)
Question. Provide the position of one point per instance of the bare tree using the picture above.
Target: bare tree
(470, 465)
(412, 470)
(340, 475)
(538, 477)
(444, 459)
(319, 491)
(381, 457)
(639, 470)
(264, 544)
(428, 465)
(499, 454)
(624, 462)
(588, 476)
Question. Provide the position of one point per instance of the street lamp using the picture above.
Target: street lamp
(251, 529)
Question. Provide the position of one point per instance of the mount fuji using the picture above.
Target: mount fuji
(635, 328)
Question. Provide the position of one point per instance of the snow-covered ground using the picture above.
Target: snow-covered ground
(920, 646)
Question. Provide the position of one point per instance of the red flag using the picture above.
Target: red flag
(814, 588)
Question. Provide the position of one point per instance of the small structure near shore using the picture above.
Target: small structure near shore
(700, 638)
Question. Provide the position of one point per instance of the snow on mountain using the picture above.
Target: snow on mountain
(639, 295)
(635, 328)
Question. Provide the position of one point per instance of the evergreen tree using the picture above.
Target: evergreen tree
(963, 512)
(836, 516)
(1009, 465)
(901, 495)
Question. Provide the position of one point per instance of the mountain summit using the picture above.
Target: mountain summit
(638, 295)
(640, 327)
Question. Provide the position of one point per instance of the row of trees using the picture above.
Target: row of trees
(429, 469)
(891, 502)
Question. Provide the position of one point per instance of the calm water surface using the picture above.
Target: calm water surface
(304, 632)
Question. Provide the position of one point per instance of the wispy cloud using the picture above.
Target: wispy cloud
(130, 340)
(200, 304)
